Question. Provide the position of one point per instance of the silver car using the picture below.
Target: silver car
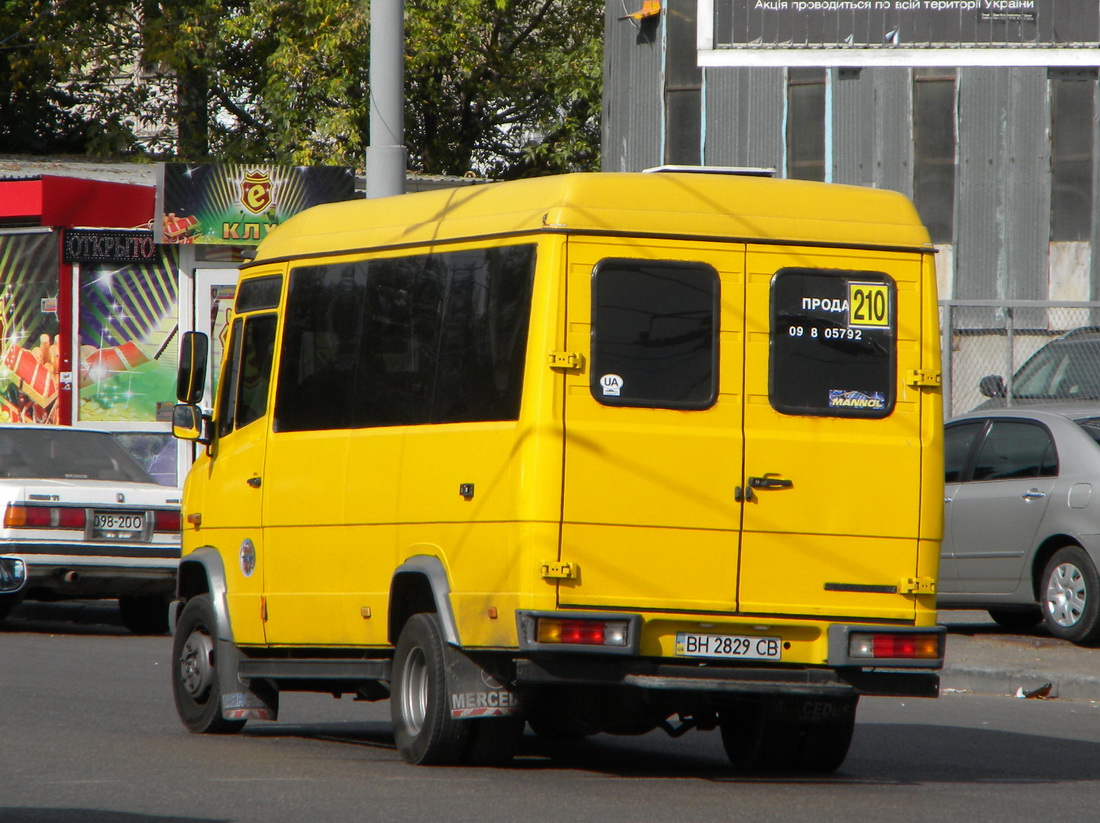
(1022, 518)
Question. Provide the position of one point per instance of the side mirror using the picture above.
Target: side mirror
(191, 376)
(992, 385)
(189, 423)
(13, 574)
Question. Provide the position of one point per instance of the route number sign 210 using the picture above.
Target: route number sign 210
(869, 305)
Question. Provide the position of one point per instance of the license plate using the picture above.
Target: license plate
(733, 646)
(119, 525)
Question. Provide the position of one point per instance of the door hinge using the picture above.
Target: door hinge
(557, 570)
(918, 585)
(923, 378)
(570, 360)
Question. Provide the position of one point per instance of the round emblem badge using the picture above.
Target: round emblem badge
(248, 558)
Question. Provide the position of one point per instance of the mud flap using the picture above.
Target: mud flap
(255, 699)
(480, 685)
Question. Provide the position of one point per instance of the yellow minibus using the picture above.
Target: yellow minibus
(580, 454)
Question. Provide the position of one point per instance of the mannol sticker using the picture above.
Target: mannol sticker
(841, 399)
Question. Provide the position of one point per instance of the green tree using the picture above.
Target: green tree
(506, 88)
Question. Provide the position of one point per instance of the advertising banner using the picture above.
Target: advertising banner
(30, 343)
(128, 351)
(238, 204)
(898, 32)
(913, 23)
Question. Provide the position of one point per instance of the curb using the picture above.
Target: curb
(1002, 682)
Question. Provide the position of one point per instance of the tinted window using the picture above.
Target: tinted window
(424, 339)
(259, 293)
(832, 343)
(654, 334)
(1014, 449)
(243, 391)
(958, 442)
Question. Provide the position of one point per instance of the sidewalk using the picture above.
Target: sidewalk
(985, 659)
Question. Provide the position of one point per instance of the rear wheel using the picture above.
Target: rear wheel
(144, 614)
(789, 734)
(1017, 621)
(1071, 596)
(423, 728)
(195, 683)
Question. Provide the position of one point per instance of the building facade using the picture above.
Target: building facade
(996, 146)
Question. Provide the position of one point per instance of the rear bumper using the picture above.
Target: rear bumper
(724, 681)
(96, 570)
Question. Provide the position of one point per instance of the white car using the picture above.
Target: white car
(89, 521)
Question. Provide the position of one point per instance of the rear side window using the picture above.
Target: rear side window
(1013, 449)
(655, 334)
(437, 338)
(958, 442)
(833, 343)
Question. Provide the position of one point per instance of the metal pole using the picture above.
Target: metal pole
(386, 150)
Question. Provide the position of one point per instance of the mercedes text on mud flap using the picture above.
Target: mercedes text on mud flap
(591, 453)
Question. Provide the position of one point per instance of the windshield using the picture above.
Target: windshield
(66, 455)
(1066, 369)
(1091, 425)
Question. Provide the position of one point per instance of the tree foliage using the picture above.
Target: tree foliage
(506, 88)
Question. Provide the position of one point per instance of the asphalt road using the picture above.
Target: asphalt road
(89, 734)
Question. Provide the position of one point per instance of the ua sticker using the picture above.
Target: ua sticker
(611, 385)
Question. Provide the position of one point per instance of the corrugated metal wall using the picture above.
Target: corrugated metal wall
(1001, 241)
(633, 110)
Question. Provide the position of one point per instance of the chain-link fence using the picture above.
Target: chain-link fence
(1019, 352)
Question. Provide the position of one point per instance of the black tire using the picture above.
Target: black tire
(423, 728)
(1017, 621)
(1070, 592)
(195, 684)
(144, 614)
(788, 734)
(7, 603)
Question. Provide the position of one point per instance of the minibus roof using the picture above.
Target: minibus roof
(666, 204)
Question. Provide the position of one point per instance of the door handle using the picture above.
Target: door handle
(1033, 494)
(770, 481)
(254, 482)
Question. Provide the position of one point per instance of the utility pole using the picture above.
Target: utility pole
(386, 154)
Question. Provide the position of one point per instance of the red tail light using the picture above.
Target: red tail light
(167, 521)
(20, 516)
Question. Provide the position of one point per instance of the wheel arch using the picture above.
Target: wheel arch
(1047, 549)
(421, 584)
(203, 572)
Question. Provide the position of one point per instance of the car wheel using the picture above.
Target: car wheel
(144, 614)
(789, 734)
(1017, 621)
(423, 728)
(1071, 596)
(195, 683)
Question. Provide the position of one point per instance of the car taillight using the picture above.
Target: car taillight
(582, 632)
(897, 646)
(166, 520)
(19, 516)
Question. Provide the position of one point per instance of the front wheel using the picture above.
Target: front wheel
(1071, 596)
(195, 683)
(423, 728)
